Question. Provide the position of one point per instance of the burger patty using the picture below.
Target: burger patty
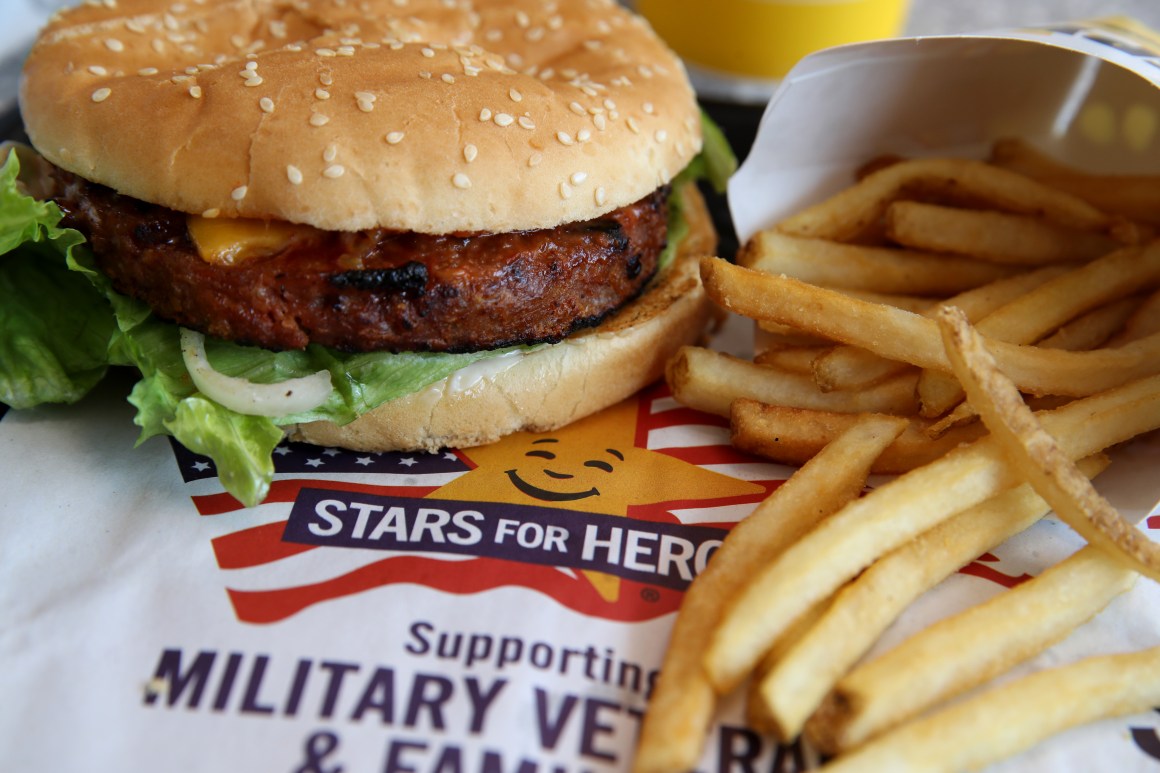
(375, 290)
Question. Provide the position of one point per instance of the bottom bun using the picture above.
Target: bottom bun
(551, 386)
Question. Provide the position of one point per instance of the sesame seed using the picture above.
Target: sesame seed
(345, 51)
(599, 121)
(195, 92)
(266, 104)
(365, 96)
(239, 193)
(330, 153)
(325, 52)
(334, 171)
(535, 159)
(648, 108)
(425, 75)
(527, 122)
(114, 45)
(158, 45)
(661, 135)
(515, 95)
(461, 181)
(293, 174)
(96, 69)
(485, 114)
(564, 138)
(470, 152)
(503, 119)
(318, 119)
(145, 71)
(565, 190)
(578, 177)
(599, 196)
(447, 77)
(394, 138)
(365, 105)
(522, 19)
(583, 135)
(251, 65)
(321, 94)
(427, 52)
(211, 213)
(633, 125)
(252, 82)
(325, 79)
(577, 108)
(100, 95)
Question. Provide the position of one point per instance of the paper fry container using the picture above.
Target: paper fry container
(1085, 91)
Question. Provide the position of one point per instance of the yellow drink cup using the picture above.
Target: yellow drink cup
(759, 41)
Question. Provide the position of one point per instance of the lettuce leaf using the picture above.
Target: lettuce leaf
(63, 325)
(56, 327)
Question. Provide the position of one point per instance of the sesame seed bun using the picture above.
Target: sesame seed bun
(418, 115)
(554, 385)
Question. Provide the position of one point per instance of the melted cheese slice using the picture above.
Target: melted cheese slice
(228, 241)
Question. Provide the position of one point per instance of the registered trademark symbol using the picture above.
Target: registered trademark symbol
(650, 594)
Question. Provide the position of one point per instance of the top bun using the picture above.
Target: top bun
(423, 115)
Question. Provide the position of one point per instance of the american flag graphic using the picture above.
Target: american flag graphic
(269, 578)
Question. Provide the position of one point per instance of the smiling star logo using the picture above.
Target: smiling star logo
(592, 465)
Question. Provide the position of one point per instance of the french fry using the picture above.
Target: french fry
(793, 687)
(1132, 195)
(851, 367)
(794, 435)
(870, 269)
(1013, 717)
(845, 215)
(1095, 328)
(905, 336)
(1042, 310)
(867, 528)
(709, 381)
(1144, 322)
(915, 303)
(683, 701)
(1039, 458)
(792, 359)
(996, 237)
(967, 649)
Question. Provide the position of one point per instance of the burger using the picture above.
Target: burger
(379, 225)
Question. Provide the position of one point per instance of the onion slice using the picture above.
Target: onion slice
(294, 395)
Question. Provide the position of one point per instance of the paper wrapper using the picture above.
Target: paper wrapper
(495, 609)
